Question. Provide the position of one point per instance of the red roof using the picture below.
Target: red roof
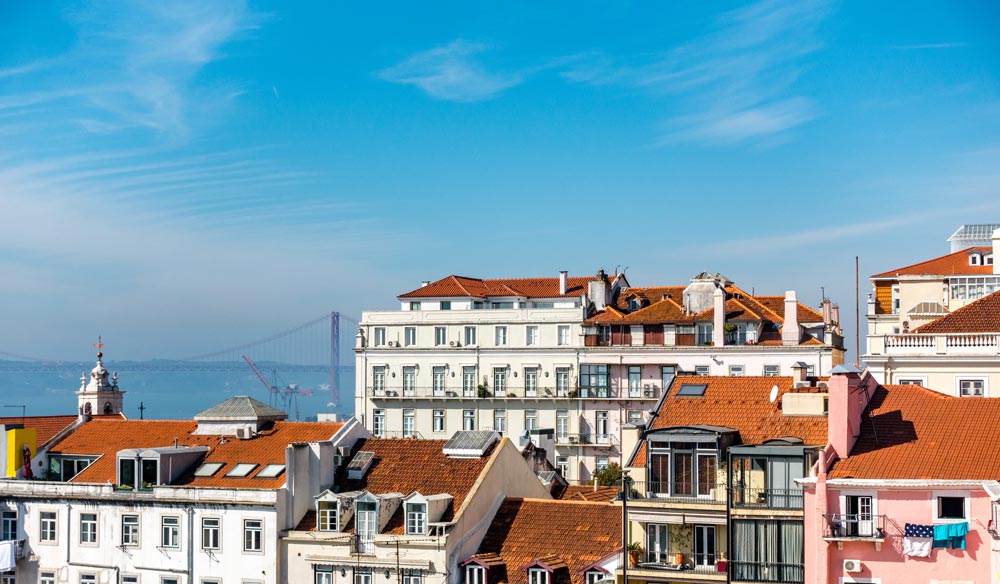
(407, 466)
(588, 493)
(952, 264)
(106, 437)
(462, 286)
(981, 316)
(910, 432)
(45, 426)
(574, 534)
(741, 403)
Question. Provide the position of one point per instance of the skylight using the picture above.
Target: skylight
(208, 469)
(242, 469)
(692, 390)
(271, 471)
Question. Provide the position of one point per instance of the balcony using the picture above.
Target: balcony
(20, 549)
(587, 439)
(767, 572)
(398, 391)
(971, 344)
(679, 492)
(841, 527)
(714, 571)
(754, 498)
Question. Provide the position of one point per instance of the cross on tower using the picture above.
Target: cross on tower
(99, 345)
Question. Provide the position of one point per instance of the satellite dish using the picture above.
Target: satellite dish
(774, 394)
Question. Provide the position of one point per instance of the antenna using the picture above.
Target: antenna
(774, 394)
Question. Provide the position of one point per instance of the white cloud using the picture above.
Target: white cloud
(452, 72)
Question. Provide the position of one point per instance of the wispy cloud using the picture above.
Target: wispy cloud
(735, 83)
(928, 46)
(452, 72)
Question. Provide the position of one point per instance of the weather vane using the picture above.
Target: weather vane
(100, 345)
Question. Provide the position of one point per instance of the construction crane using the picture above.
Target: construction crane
(284, 396)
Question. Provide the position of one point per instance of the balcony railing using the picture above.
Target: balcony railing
(398, 391)
(935, 344)
(654, 563)
(707, 493)
(587, 439)
(20, 550)
(863, 527)
(767, 498)
(767, 572)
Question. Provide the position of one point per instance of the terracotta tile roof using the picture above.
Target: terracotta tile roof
(952, 264)
(461, 286)
(106, 436)
(981, 316)
(574, 533)
(45, 426)
(741, 403)
(407, 465)
(650, 295)
(587, 493)
(924, 434)
(776, 304)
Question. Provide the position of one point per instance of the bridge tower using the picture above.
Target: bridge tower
(334, 358)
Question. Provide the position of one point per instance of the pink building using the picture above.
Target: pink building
(905, 468)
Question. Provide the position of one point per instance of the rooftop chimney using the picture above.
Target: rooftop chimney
(425, 283)
(719, 320)
(563, 282)
(790, 334)
(598, 291)
(849, 397)
(827, 314)
(996, 251)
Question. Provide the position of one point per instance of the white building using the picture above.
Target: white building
(578, 356)
(936, 323)
(169, 502)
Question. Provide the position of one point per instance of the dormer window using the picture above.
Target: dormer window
(326, 516)
(634, 303)
(593, 576)
(416, 519)
(475, 574)
(538, 576)
(138, 473)
(973, 259)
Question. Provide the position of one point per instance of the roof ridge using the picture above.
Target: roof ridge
(761, 306)
(958, 312)
(893, 272)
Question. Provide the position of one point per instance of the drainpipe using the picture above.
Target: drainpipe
(190, 546)
(69, 527)
(626, 491)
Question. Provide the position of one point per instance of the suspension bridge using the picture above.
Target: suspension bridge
(311, 347)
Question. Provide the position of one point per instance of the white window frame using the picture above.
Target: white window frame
(92, 531)
(207, 530)
(530, 420)
(46, 578)
(562, 425)
(777, 370)
(737, 371)
(133, 531)
(601, 462)
(88, 577)
(256, 544)
(912, 379)
(562, 335)
(170, 532)
(859, 493)
(378, 423)
(538, 575)
(958, 494)
(416, 519)
(48, 528)
(702, 370)
(326, 516)
(409, 423)
(9, 529)
(378, 379)
(531, 335)
(468, 416)
(378, 336)
(440, 336)
(409, 336)
(475, 574)
(959, 379)
(593, 576)
(471, 336)
(500, 421)
(500, 335)
(323, 574)
(531, 375)
(438, 421)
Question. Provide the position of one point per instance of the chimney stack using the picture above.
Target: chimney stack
(790, 334)
(719, 321)
(425, 283)
(563, 282)
(848, 400)
(827, 313)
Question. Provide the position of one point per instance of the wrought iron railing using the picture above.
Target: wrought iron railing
(767, 498)
(705, 492)
(854, 526)
(791, 573)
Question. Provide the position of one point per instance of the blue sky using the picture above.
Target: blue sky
(185, 176)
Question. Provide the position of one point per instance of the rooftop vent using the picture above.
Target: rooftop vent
(360, 464)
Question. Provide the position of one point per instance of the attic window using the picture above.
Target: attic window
(416, 519)
(692, 390)
(634, 303)
(538, 576)
(242, 469)
(208, 469)
(271, 471)
(974, 259)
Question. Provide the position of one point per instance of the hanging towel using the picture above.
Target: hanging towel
(8, 555)
(957, 533)
(941, 537)
(917, 540)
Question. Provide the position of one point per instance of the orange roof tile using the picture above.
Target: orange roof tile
(946, 265)
(588, 493)
(650, 295)
(741, 403)
(105, 437)
(910, 432)
(407, 466)
(461, 286)
(45, 426)
(574, 533)
(981, 316)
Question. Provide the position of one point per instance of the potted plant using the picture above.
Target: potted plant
(634, 553)
(484, 388)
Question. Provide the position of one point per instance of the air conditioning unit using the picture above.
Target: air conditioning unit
(454, 344)
(344, 451)
(574, 439)
(851, 566)
(244, 433)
